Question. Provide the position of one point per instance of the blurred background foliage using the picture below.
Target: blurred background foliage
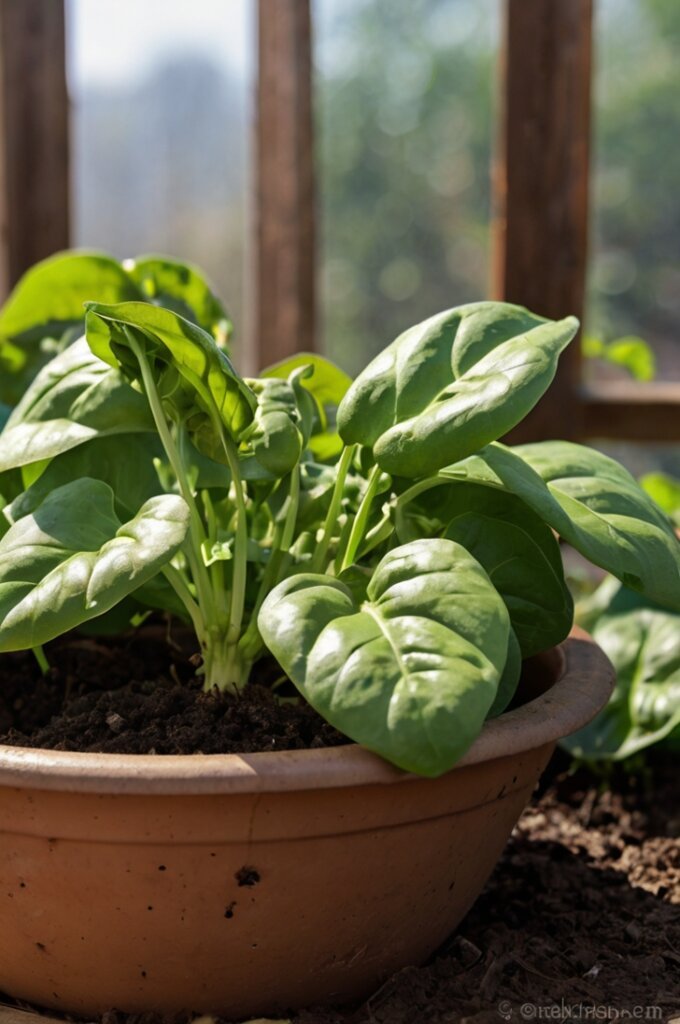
(406, 108)
(405, 96)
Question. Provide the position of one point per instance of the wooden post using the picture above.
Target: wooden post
(541, 183)
(285, 303)
(34, 178)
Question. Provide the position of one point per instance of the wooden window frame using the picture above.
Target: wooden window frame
(540, 198)
(540, 189)
(34, 135)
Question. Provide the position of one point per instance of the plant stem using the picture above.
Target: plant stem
(239, 579)
(220, 663)
(250, 643)
(360, 520)
(41, 659)
(414, 491)
(377, 534)
(216, 570)
(292, 510)
(419, 488)
(178, 584)
(320, 557)
(193, 551)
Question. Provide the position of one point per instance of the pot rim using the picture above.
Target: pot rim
(583, 682)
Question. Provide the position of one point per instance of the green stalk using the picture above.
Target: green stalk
(230, 662)
(221, 668)
(360, 521)
(320, 557)
(216, 570)
(292, 510)
(251, 643)
(41, 658)
(238, 589)
(178, 584)
(377, 534)
(197, 534)
(419, 488)
(414, 491)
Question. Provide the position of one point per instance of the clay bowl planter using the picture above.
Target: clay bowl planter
(250, 884)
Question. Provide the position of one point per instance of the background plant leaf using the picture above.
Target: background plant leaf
(643, 644)
(631, 353)
(182, 288)
(664, 490)
(45, 305)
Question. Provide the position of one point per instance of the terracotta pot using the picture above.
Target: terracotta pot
(250, 884)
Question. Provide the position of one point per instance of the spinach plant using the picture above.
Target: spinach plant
(642, 640)
(375, 537)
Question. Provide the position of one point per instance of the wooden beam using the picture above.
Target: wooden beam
(285, 301)
(541, 182)
(628, 411)
(34, 171)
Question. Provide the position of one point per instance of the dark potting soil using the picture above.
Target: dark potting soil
(580, 920)
(139, 694)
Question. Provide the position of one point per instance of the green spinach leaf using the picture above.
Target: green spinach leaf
(411, 672)
(593, 503)
(181, 288)
(643, 644)
(274, 438)
(509, 681)
(194, 377)
(328, 385)
(128, 470)
(75, 398)
(516, 548)
(72, 559)
(452, 384)
(45, 305)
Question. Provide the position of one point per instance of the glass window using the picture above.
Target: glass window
(405, 97)
(634, 280)
(160, 131)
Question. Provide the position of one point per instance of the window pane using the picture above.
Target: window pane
(160, 128)
(405, 92)
(634, 282)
